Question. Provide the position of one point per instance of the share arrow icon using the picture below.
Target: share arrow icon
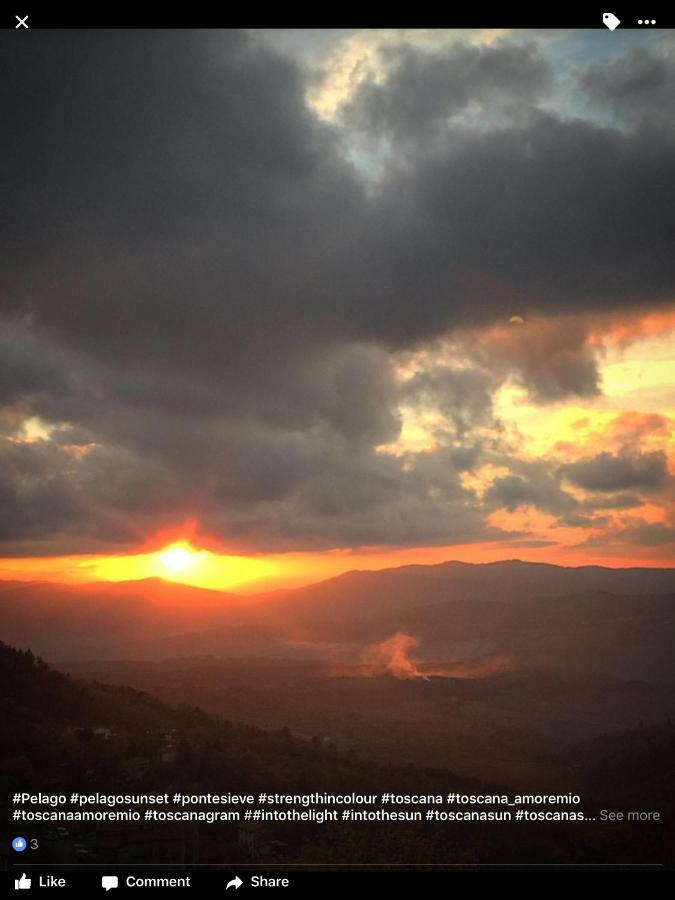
(236, 883)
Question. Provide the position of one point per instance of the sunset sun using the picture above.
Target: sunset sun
(178, 558)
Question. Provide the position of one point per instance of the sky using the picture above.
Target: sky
(292, 303)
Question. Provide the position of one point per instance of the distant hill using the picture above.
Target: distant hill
(101, 619)
(368, 596)
(618, 621)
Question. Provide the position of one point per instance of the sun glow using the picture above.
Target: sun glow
(181, 561)
(179, 557)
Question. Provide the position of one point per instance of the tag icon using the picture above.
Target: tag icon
(610, 21)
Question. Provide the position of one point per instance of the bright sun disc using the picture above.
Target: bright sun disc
(178, 558)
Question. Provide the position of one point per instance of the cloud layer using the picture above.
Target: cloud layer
(211, 294)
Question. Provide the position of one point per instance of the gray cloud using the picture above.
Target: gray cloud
(535, 484)
(202, 293)
(638, 72)
(463, 396)
(636, 86)
(640, 532)
(422, 91)
(650, 534)
(34, 496)
(171, 191)
(551, 358)
(611, 472)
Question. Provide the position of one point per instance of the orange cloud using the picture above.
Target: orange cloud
(630, 327)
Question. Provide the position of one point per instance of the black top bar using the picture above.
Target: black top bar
(228, 15)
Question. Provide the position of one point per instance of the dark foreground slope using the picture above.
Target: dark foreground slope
(53, 743)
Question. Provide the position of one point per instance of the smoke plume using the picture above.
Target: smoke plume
(392, 656)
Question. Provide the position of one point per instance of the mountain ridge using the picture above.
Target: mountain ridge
(453, 611)
(408, 567)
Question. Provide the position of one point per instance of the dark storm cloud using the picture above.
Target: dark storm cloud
(638, 84)
(555, 215)
(533, 484)
(203, 292)
(34, 497)
(135, 462)
(540, 484)
(463, 396)
(28, 367)
(365, 500)
(149, 175)
(179, 206)
(423, 90)
(625, 471)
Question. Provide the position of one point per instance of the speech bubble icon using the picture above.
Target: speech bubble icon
(109, 882)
